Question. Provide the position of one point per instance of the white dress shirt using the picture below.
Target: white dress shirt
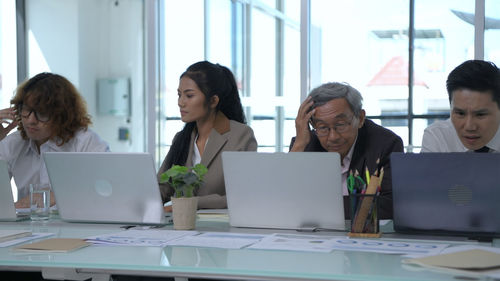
(196, 155)
(345, 164)
(441, 136)
(26, 164)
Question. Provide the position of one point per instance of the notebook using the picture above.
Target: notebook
(7, 207)
(296, 190)
(105, 187)
(446, 193)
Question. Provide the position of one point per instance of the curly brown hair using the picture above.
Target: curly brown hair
(54, 96)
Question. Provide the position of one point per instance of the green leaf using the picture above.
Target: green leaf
(183, 179)
(164, 177)
(176, 170)
(200, 170)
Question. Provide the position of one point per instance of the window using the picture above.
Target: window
(258, 41)
(8, 51)
(448, 41)
(370, 51)
(86, 41)
(179, 48)
(8, 59)
(492, 31)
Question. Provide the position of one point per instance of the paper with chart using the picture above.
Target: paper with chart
(139, 237)
(321, 243)
(225, 240)
(388, 247)
(295, 242)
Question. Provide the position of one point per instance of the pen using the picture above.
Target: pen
(350, 182)
(359, 183)
(381, 177)
(370, 219)
(367, 174)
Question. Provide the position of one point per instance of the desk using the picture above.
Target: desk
(99, 262)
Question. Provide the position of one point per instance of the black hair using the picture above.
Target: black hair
(475, 75)
(212, 80)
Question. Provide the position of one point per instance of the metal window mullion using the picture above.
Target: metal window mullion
(247, 41)
(411, 41)
(22, 51)
(206, 35)
(151, 75)
(479, 19)
(305, 19)
(279, 51)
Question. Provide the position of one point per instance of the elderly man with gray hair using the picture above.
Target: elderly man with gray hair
(334, 111)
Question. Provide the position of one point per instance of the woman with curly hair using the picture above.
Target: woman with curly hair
(51, 116)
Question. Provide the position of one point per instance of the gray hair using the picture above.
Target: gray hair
(335, 90)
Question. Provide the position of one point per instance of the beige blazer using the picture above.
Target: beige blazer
(227, 135)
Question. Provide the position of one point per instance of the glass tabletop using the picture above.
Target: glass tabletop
(205, 261)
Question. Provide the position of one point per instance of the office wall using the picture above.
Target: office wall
(86, 40)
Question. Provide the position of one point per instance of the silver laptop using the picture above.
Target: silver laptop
(446, 193)
(296, 190)
(7, 207)
(105, 187)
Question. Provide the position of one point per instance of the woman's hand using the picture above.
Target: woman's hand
(7, 116)
(303, 136)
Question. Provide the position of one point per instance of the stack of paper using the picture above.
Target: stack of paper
(6, 235)
(480, 261)
(54, 245)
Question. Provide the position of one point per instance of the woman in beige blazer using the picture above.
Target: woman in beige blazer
(210, 106)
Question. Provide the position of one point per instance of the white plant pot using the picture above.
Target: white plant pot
(184, 212)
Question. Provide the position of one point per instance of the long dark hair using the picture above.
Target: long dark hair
(211, 79)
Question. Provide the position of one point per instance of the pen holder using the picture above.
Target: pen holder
(364, 215)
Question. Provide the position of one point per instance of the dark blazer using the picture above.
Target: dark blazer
(373, 142)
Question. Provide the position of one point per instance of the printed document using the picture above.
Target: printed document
(296, 242)
(139, 237)
(224, 240)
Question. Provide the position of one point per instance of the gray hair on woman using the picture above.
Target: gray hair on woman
(335, 90)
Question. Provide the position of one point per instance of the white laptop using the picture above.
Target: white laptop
(7, 208)
(296, 190)
(105, 187)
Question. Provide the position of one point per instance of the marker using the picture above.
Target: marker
(367, 176)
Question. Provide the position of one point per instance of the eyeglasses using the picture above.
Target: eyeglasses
(26, 112)
(340, 127)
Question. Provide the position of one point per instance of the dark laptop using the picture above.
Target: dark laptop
(447, 193)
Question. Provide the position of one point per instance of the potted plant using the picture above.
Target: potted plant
(184, 180)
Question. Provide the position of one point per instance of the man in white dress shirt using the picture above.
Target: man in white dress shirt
(50, 115)
(474, 92)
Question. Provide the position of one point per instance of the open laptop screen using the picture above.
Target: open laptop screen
(296, 190)
(7, 207)
(105, 187)
(446, 193)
